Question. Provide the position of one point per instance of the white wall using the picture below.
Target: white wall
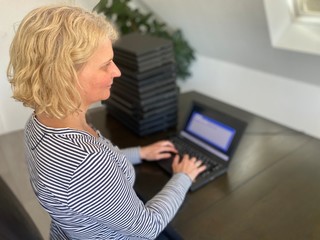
(291, 103)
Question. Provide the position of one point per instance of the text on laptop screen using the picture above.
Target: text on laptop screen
(211, 131)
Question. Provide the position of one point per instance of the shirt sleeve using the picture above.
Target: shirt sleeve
(132, 154)
(108, 196)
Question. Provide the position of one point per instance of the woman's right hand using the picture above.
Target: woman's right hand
(188, 165)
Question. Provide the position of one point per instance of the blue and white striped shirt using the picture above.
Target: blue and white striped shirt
(86, 185)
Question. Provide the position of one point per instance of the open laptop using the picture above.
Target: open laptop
(211, 136)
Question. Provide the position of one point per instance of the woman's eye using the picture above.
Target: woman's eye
(107, 65)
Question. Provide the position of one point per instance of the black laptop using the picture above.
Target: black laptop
(211, 136)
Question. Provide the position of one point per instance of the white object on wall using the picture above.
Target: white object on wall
(289, 33)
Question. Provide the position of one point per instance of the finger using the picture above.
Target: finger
(202, 168)
(176, 160)
(165, 155)
(198, 163)
(186, 157)
(169, 148)
(194, 159)
(166, 143)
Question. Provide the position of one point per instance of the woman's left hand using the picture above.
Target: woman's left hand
(158, 150)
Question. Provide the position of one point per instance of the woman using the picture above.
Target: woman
(61, 62)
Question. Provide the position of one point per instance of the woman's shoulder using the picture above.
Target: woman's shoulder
(64, 137)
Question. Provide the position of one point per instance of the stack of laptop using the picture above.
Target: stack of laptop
(145, 97)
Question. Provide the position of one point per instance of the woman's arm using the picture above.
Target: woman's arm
(101, 189)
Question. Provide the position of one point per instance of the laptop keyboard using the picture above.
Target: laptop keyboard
(184, 148)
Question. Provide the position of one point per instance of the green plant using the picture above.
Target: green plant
(130, 20)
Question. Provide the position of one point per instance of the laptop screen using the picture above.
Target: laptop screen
(212, 130)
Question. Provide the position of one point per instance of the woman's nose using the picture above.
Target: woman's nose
(117, 72)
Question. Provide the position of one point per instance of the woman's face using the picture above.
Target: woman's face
(96, 77)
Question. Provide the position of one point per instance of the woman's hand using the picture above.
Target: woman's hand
(188, 165)
(158, 150)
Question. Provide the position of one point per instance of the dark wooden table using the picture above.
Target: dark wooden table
(271, 191)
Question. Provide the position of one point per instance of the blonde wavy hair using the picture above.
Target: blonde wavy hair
(50, 46)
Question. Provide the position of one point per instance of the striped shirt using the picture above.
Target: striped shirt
(86, 185)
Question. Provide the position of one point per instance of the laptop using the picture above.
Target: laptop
(211, 136)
